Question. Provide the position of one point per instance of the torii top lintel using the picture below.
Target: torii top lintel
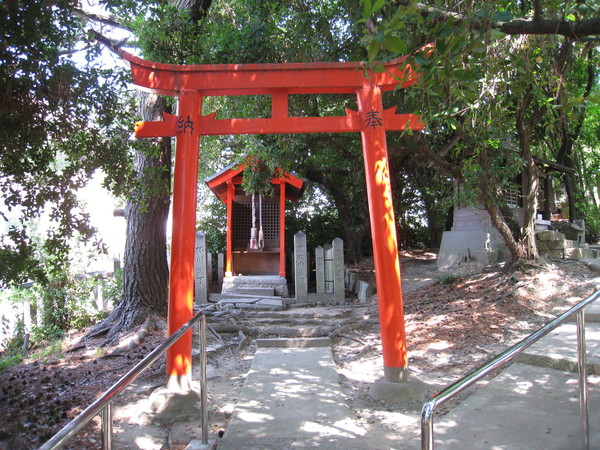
(265, 79)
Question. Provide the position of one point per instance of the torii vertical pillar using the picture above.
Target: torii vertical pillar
(383, 232)
(181, 281)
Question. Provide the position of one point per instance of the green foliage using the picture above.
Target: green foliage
(67, 303)
(61, 122)
(258, 175)
(64, 303)
(417, 235)
(499, 100)
(112, 289)
(7, 360)
(212, 220)
(447, 279)
(315, 216)
(45, 346)
(592, 222)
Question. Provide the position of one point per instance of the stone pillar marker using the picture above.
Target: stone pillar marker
(220, 268)
(201, 284)
(338, 270)
(328, 252)
(301, 266)
(320, 269)
(209, 270)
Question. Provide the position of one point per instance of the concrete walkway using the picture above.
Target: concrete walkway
(533, 404)
(292, 398)
(525, 407)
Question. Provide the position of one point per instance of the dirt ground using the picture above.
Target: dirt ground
(454, 322)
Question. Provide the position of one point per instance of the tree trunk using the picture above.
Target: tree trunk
(145, 270)
(527, 247)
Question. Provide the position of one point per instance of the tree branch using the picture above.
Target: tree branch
(577, 31)
(106, 19)
(581, 30)
(111, 44)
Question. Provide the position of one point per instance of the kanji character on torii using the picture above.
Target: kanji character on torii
(189, 83)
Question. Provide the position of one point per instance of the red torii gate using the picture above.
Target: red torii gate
(189, 83)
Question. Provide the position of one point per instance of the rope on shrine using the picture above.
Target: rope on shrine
(253, 224)
(261, 237)
(256, 242)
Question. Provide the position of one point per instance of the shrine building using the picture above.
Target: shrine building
(255, 257)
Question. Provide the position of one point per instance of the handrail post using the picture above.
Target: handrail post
(107, 427)
(427, 426)
(203, 393)
(583, 385)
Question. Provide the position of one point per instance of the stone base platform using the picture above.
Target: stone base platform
(256, 285)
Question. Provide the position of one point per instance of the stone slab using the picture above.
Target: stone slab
(593, 263)
(580, 253)
(351, 280)
(364, 290)
(549, 235)
(259, 292)
(234, 300)
(270, 302)
(458, 245)
(200, 269)
(292, 398)
(262, 305)
(320, 269)
(196, 444)
(339, 290)
(294, 343)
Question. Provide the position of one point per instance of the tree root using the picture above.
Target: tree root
(136, 338)
(352, 326)
(217, 335)
(350, 338)
(244, 341)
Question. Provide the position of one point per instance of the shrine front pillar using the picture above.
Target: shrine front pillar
(282, 227)
(383, 231)
(229, 237)
(181, 281)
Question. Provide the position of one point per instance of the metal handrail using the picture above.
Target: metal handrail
(503, 358)
(103, 404)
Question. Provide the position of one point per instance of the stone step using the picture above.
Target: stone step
(581, 253)
(558, 350)
(557, 244)
(256, 303)
(239, 284)
(294, 343)
(306, 313)
(592, 313)
(256, 291)
(216, 297)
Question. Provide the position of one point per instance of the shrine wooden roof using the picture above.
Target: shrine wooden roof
(217, 182)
